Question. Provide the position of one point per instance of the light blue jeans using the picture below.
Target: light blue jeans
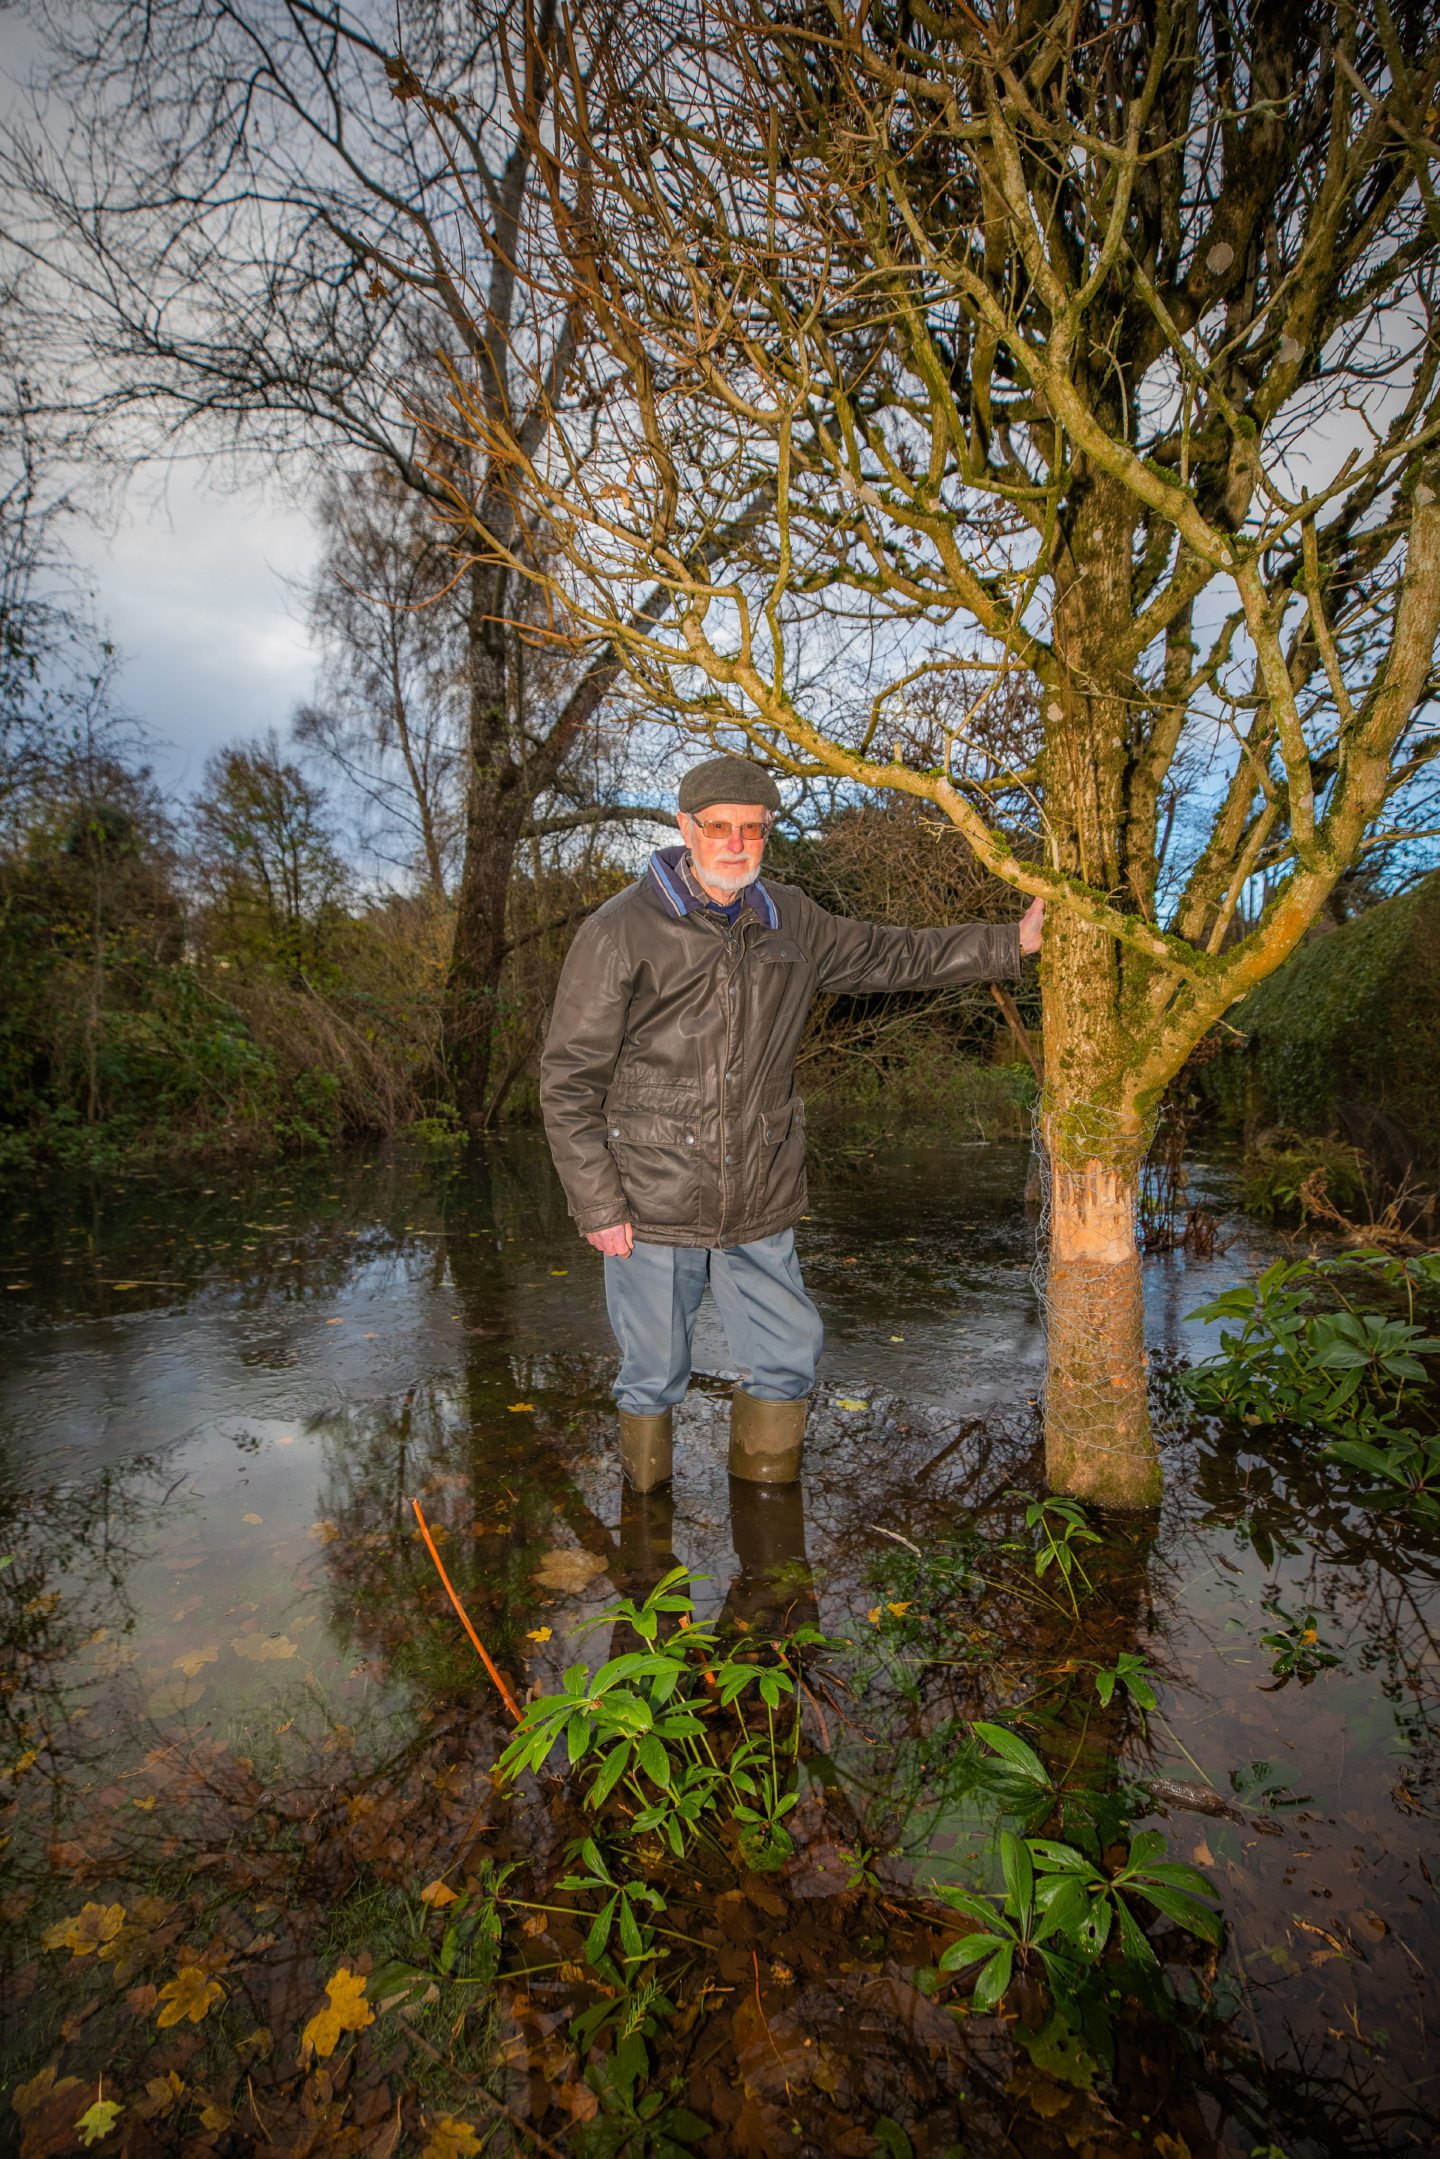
(772, 1327)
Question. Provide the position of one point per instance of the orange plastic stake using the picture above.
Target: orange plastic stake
(505, 1695)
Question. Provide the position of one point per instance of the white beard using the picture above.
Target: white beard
(730, 880)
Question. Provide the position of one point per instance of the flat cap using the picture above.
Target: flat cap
(728, 779)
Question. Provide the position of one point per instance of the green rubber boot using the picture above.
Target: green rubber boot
(767, 1439)
(646, 1452)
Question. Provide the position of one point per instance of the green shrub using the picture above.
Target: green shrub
(1283, 1179)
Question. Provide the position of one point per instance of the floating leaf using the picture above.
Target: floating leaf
(191, 1994)
(451, 2139)
(567, 1568)
(174, 1694)
(850, 1401)
(437, 1895)
(346, 2011)
(538, 1634)
(98, 2121)
(264, 1648)
(195, 1660)
(92, 1925)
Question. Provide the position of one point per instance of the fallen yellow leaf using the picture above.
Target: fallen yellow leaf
(92, 1925)
(451, 2139)
(538, 1634)
(264, 1648)
(346, 2011)
(898, 1611)
(873, 1615)
(848, 1401)
(437, 1895)
(195, 1660)
(191, 1994)
(515, 1407)
(252, 1518)
(565, 1567)
(27, 1761)
(175, 1694)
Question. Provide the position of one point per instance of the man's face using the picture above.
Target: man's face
(726, 841)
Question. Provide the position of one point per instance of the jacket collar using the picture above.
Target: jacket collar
(668, 875)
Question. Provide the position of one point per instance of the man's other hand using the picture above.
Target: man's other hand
(1031, 924)
(615, 1243)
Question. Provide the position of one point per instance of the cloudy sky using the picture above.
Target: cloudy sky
(196, 586)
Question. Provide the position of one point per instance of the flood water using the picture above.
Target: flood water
(237, 1705)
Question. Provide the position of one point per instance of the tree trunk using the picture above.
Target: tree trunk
(496, 805)
(472, 1013)
(1098, 1441)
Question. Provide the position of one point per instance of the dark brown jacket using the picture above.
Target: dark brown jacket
(667, 1081)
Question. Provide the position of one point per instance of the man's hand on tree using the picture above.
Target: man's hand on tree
(616, 1243)
(1031, 924)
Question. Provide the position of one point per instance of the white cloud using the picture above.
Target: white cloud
(195, 587)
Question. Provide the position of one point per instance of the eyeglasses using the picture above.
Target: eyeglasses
(717, 828)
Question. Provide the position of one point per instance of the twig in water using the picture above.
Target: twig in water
(505, 1695)
(879, 1532)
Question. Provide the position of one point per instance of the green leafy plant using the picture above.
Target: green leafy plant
(1059, 1910)
(1295, 1645)
(634, 2119)
(1057, 1526)
(618, 1916)
(1340, 1366)
(1133, 1674)
(665, 1735)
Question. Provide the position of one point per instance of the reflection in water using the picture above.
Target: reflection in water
(237, 1705)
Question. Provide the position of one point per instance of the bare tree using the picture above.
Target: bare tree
(251, 236)
(266, 858)
(391, 711)
(1094, 344)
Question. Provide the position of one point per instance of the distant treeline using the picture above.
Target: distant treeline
(218, 981)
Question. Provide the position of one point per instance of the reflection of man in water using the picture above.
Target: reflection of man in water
(669, 1097)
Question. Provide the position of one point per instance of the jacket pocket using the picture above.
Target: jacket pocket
(657, 1156)
(782, 1136)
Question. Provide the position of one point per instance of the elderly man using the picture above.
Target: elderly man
(668, 1090)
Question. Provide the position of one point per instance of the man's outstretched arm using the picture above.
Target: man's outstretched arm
(873, 956)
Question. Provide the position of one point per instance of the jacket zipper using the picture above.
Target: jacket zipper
(734, 944)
